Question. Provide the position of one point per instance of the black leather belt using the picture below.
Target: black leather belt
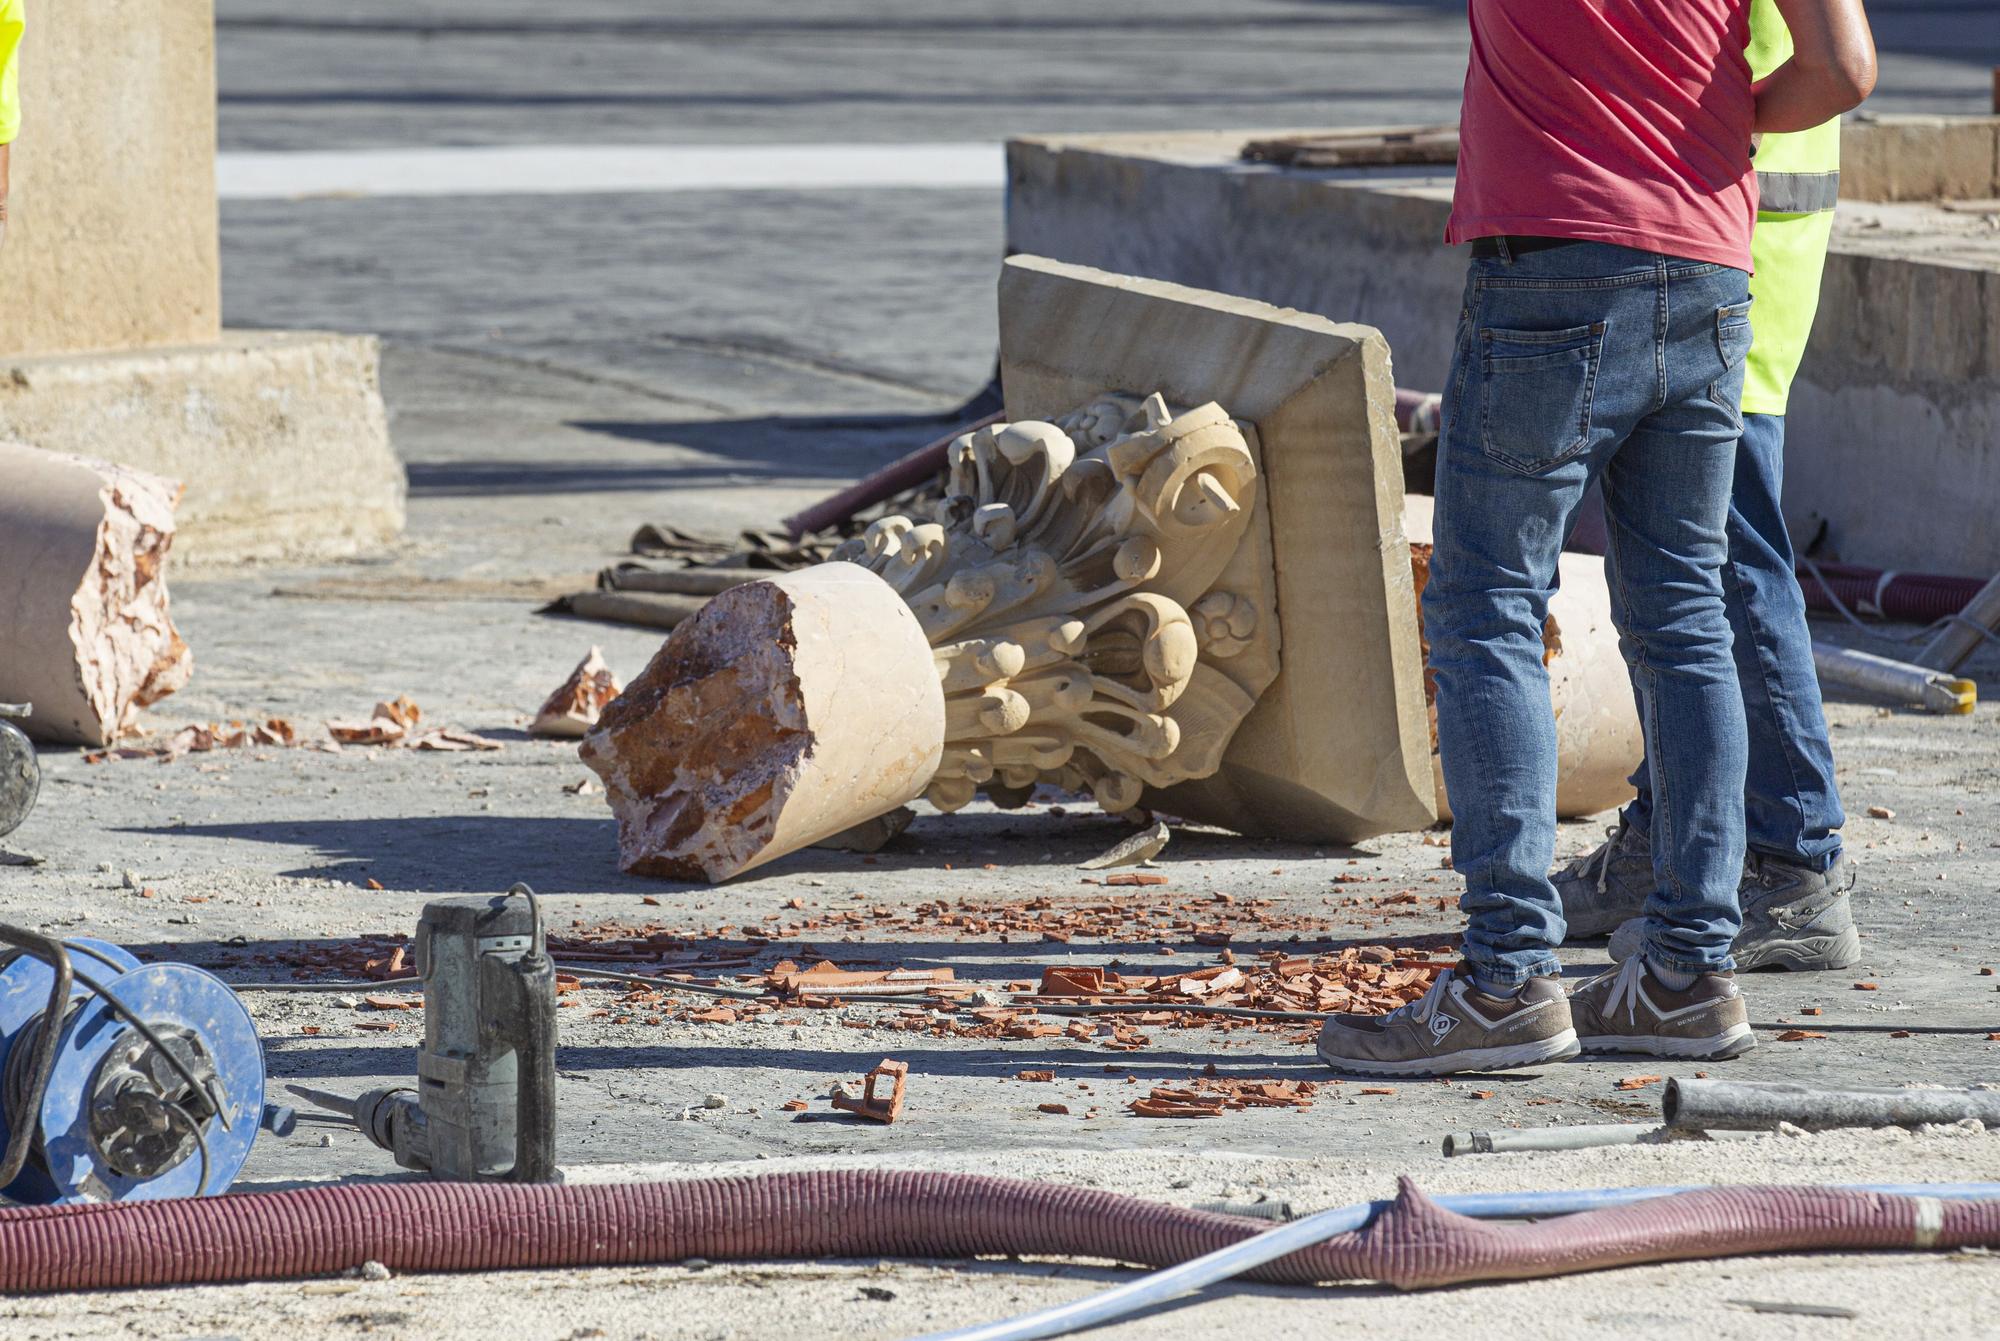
(1489, 248)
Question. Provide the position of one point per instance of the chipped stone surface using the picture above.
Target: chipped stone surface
(786, 711)
(83, 601)
(579, 701)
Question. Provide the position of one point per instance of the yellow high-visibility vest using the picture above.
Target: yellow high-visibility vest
(1798, 179)
(13, 21)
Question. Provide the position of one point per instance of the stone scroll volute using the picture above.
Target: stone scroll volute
(1098, 596)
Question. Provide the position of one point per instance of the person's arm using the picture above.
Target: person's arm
(1831, 70)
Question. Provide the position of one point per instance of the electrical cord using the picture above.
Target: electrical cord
(200, 1144)
(23, 1124)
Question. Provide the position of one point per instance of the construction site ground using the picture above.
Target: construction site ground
(563, 369)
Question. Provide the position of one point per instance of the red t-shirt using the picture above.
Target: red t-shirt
(1623, 121)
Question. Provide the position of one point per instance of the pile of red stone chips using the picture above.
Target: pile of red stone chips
(1208, 1097)
(1360, 980)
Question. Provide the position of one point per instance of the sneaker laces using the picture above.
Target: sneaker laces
(1420, 1009)
(1614, 837)
(1625, 989)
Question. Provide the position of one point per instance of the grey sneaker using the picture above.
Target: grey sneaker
(1793, 918)
(1608, 884)
(1455, 1027)
(1627, 1009)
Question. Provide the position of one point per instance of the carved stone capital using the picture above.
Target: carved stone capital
(1081, 590)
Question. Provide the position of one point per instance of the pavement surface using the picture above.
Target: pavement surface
(562, 366)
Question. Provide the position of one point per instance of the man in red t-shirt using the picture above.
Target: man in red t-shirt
(1604, 182)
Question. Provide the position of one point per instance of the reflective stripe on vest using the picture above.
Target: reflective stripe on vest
(1797, 192)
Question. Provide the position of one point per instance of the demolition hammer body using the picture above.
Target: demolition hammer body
(484, 1105)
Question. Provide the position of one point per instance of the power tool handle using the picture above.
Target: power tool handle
(535, 1062)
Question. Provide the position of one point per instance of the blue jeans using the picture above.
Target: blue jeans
(1791, 804)
(1576, 365)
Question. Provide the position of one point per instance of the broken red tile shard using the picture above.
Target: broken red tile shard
(1067, 980)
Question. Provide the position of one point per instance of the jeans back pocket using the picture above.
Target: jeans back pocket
(1732, 344)
(1535, 401)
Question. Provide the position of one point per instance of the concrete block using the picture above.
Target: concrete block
(1337, 747)
(112, 239)
(280, 437)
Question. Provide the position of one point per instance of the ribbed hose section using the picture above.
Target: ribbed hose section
(873, 1213)
(1919, 598)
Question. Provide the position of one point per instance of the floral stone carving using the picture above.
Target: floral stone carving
(1069, 586)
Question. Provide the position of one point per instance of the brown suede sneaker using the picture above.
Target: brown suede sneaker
(1629, 1010)
(1455, 1027)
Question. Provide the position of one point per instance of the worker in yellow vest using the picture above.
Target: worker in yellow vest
(1796, 881)
(12, 23)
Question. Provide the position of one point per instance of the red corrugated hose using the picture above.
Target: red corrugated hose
(430, 1226)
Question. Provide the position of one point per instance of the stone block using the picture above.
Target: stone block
(280, 437)
(112, 240)
(1337, 747)
(84, 612)
(1920, 158)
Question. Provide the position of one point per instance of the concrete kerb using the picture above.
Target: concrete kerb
(280, 437)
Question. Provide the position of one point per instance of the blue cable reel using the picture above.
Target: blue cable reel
(148, 1084)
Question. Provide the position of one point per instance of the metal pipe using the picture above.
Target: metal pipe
(1580, 1137)
(677, 581)
(650, 609)
(905, 472)
(1742, 1105)
(1919, 686)
(1961, 637)
(1419, 1239)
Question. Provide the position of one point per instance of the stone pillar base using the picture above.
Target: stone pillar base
(279, 436)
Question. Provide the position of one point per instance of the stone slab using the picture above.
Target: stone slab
(279, 436)
(1338, 747)
(111, 242)
(1920, 158)
(1893, 440)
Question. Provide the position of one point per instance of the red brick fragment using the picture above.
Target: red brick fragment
(1062, 1110)
(869, 1106)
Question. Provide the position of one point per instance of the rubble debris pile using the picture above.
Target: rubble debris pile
(1209, 1096)
(83, 605)
(392, 723)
